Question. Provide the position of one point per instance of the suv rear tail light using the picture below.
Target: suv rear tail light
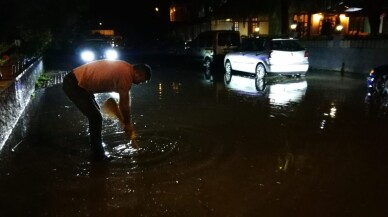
(306, 53)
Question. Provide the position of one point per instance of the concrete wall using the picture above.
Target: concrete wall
(355, 56)
(15, 95)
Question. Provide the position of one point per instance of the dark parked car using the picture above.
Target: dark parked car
(377, 91)
(377, 81)
(210, 47)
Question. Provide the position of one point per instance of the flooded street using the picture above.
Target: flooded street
(302, 147)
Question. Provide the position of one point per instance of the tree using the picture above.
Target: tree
(40, 22)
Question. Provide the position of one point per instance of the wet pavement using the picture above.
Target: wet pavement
(302, 147)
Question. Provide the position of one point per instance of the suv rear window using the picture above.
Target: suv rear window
(286, 45)
(252, 44)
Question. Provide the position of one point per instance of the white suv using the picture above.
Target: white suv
(257, 57)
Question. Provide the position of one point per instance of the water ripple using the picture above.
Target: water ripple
(180, 146)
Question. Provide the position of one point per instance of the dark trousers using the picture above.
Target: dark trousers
(87, 104)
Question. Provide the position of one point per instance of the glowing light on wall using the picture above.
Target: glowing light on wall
(172, 14)
(315, 24)
(317, 17)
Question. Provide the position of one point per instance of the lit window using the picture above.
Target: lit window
(235, 26)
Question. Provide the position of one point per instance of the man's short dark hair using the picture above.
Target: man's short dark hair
(145, 68)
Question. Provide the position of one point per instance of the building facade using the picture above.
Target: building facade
(295, 18)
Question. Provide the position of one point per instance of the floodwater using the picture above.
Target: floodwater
(302, 147)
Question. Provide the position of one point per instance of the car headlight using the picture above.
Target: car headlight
(111, 54)
(88, 56)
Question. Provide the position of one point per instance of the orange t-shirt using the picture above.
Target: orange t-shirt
(105, 76)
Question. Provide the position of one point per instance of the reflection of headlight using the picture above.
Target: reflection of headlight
(111, 54)
(87, 56)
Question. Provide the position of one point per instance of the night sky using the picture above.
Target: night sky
(138, 18)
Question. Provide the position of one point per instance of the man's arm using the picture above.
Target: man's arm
(125, 107)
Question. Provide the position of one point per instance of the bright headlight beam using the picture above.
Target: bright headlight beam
(87, 56)
(111, 54)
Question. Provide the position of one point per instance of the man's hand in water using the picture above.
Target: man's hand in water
(130, 132)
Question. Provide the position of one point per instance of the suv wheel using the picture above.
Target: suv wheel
(228, 72)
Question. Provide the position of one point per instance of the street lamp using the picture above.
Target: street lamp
(256, 32)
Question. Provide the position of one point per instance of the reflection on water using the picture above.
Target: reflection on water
(242, 84)
(283, 96)
(377, 105)
(290, 91)
(162, 87)
(328, 115)
(160, 144)
(166, 146)
(207, 149)
(295, 163)
(279, 90)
